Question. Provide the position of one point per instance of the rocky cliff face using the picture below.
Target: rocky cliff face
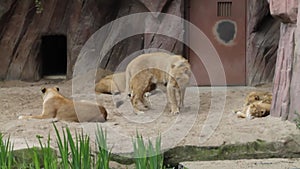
(22, 28)
(286, 81)
(145, 41)
(262, 43)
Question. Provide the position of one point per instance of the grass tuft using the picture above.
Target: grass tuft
(147, 157)
(75, 152)
(6, 154)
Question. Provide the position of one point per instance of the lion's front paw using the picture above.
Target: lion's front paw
(174, 110)
(240, 114)
(175, 113)
(147, 94)
(139, 112)
(22, 117)
(249, 116)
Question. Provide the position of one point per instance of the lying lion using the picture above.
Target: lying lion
(146, 70)
(111, 84)
(57, 106)
(266, 97)
(257, 104)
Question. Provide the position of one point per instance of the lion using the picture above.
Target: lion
(266, 97)
(255, 109)
(171, 71)
(111, 84)
(141, 86)
(55, 105)
(257, 104)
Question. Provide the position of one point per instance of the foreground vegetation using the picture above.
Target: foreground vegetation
(75, 152)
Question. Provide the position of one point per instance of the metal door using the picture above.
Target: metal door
(224, 23)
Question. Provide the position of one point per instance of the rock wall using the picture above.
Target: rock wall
(286, 88)
(21, 29)
(146, 41)
(263, 34)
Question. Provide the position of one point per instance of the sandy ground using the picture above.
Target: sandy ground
(206, 120)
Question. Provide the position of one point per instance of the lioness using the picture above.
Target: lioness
(173, 71)
(111, 84)
(55, 105)
(257, 104)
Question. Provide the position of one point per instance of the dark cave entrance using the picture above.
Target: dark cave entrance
(54, 55)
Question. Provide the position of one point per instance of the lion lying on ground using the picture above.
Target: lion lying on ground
(111, 84)
(57, 106)
(148, 70)
(257, 104)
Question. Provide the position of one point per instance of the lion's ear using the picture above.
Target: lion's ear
(57, 88)
(186, 70)
(43, 89)
(174, 65)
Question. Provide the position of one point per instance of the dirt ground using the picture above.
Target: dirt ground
(206, 120)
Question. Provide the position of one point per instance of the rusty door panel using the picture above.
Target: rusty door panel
(224, 23)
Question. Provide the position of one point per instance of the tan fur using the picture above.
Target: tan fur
(257, 104)
(266, 97)
(173, 71)
(114, 83)
(144, 82)
(57, 106)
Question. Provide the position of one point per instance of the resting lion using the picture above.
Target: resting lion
(266, 97)
(257, 104)
(111, 84)
(57, 106)
(146, 70)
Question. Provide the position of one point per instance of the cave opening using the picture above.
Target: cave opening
(54, 56)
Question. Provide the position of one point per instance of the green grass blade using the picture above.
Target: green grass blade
(36, 159)
(75, 158)
(103, 156)
(6, 152)
(63, 148)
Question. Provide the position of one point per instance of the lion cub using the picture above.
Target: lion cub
(142, 84)
(257, 104)
(143, 73)
(55, 105)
